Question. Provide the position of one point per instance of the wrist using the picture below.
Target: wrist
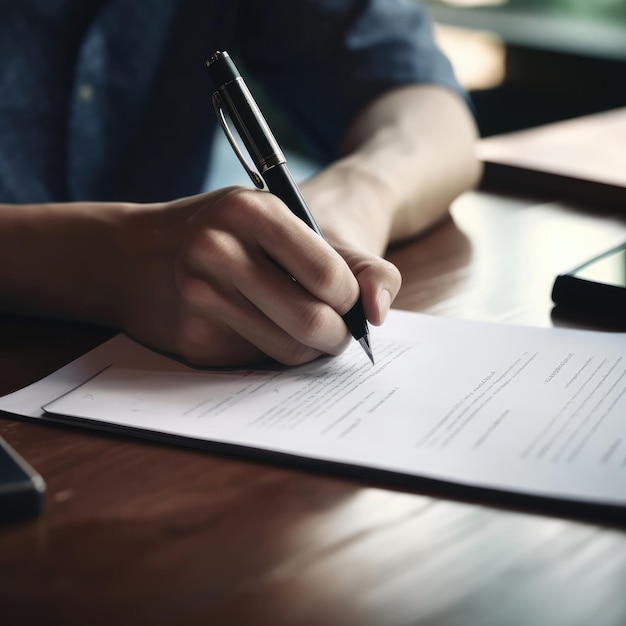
(353, 205)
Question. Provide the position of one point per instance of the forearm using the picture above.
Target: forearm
(408, 155)
(62, 260)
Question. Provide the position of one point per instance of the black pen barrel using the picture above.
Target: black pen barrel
(244, 113)
(280, 182)
(233, 95)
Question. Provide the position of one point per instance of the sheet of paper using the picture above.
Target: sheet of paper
(520, 409)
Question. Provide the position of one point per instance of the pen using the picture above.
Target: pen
(233, 95)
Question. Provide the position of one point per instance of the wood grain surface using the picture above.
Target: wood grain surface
(135, 532)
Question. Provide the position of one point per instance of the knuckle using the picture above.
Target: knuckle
(244, 205)
(331, 277)
(197, 341)
(393, 273)
(187, 288)
(294, 353)
(212, 250)
(312, 325)
(189, 342)
(197, 296)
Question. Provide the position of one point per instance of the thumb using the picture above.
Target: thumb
(379, 282)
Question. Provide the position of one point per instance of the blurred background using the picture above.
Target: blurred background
(524, 62)
(530, 62)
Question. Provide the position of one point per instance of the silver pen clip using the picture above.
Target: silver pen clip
(254, 176)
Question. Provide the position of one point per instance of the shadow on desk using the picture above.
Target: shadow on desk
(41, 346)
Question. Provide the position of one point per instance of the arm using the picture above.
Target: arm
(209, 277)
(407, 156)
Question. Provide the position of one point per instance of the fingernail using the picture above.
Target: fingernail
(384, 303)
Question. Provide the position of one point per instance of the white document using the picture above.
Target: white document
(535, 411)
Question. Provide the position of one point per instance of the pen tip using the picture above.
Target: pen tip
(365, 344)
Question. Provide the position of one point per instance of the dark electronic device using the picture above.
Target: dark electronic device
(597, 286)
(21, 487)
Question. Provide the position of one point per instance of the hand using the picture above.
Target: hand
(232, 277)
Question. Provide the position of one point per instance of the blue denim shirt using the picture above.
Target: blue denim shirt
(111, 100)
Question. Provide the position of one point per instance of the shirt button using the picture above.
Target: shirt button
(85, 92)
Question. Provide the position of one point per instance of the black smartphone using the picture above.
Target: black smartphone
(21, 487)
(596, 286)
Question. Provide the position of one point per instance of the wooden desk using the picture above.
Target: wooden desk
(137, 532)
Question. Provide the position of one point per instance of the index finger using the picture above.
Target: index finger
(307, 257)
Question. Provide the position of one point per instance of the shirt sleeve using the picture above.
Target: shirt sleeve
(322, 61)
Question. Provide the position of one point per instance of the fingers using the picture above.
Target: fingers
(205, 342)
(311, 262)
(269, 310)
(253, 268)
(261, 219)
(247, 280)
